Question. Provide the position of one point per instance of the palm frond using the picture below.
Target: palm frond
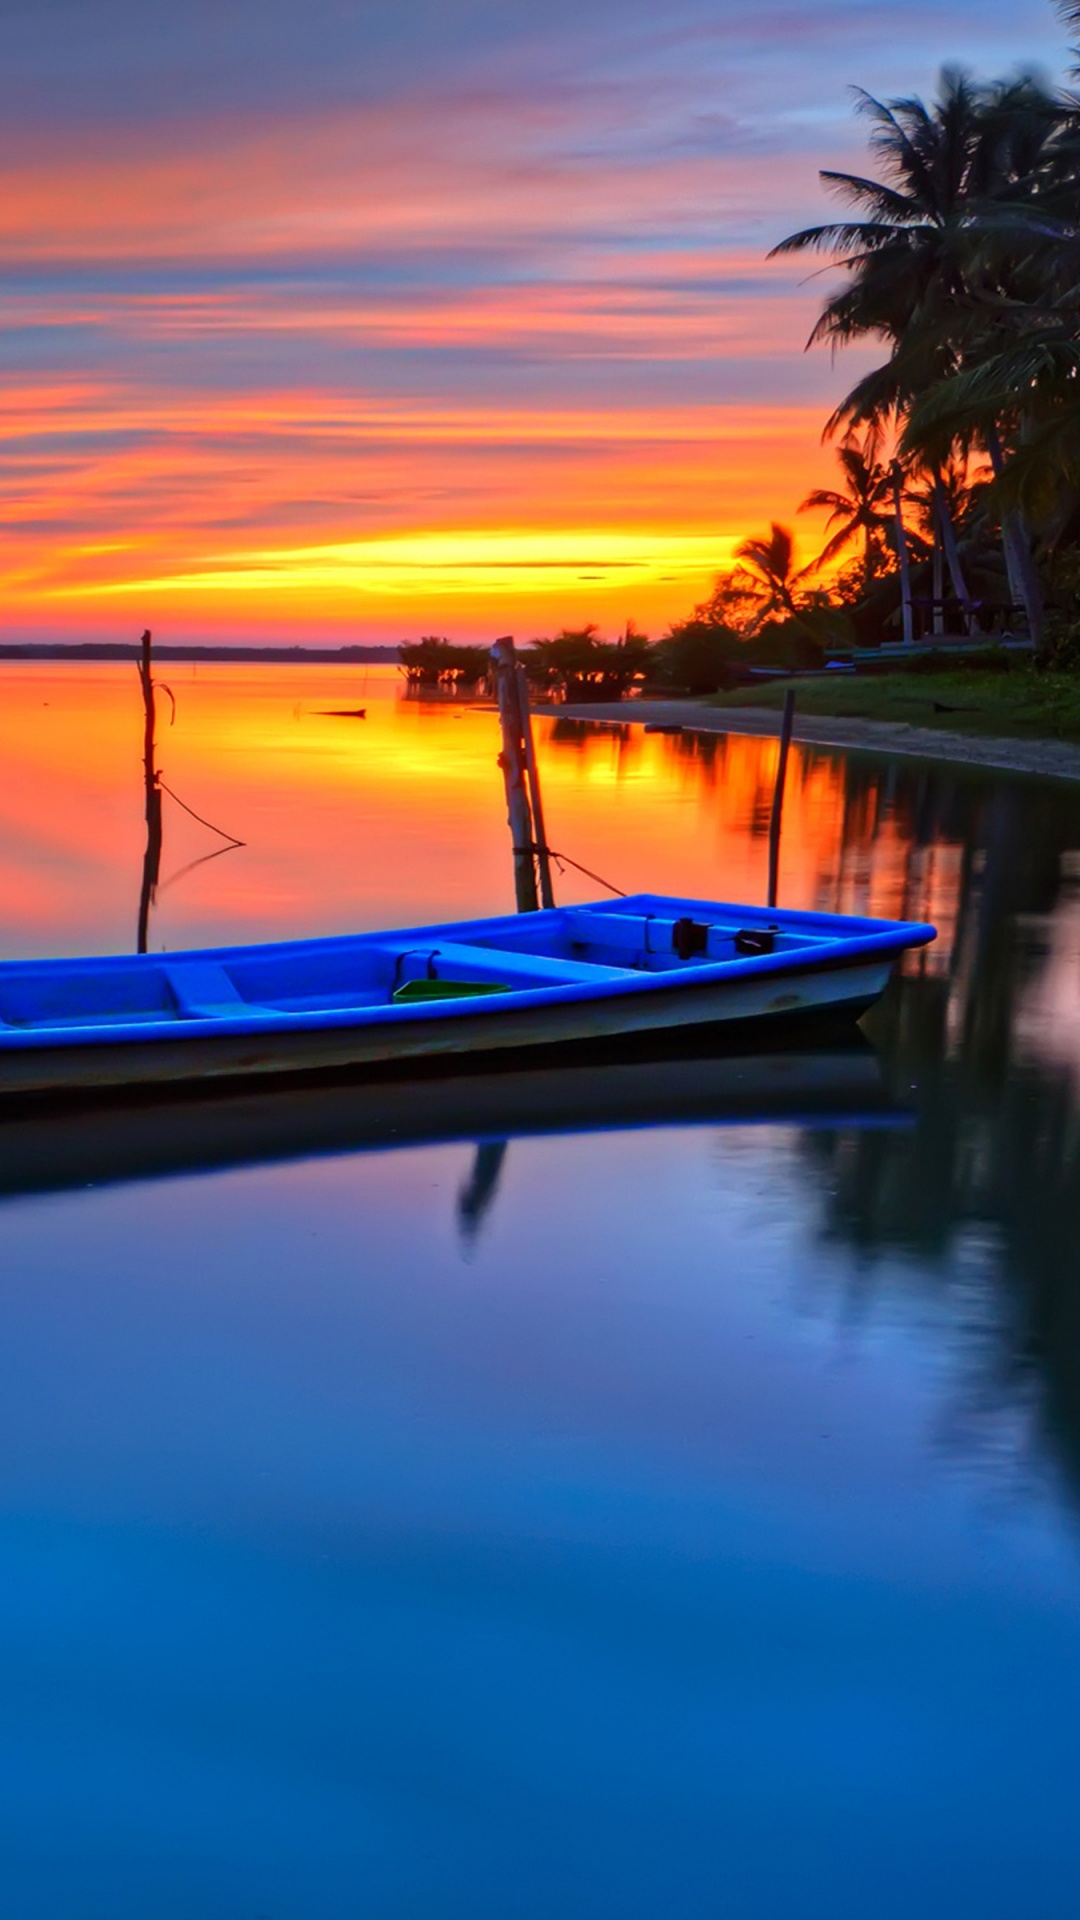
(888, 203)
(998, 384)
(872, 402)
(861, 238)
(824, 497)
(833, 548)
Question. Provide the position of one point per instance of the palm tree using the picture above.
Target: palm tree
(918, 273)
(862, 511)
(766, 575)
(1016, 364)
(901, 258)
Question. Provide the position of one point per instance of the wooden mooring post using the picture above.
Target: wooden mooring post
(524, 807)
(152, 856)
(532, 774)
(777, 818)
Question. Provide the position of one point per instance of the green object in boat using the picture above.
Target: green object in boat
(444, 990)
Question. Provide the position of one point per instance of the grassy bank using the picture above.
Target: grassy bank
(1020, 704)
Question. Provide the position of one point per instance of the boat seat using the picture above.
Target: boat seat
(203, 991)
(500, 966)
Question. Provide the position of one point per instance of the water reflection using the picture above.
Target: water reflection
(477, 1195)
(329, 1560)
(982, 1031)
(58, 1144)
(983, 1192)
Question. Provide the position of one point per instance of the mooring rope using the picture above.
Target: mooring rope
(230, 837)
(563, 859)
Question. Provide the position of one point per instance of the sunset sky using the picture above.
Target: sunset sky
(342, 320)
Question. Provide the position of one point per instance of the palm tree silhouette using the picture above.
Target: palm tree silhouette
(919, 272)
(863, 511)
(766, 574)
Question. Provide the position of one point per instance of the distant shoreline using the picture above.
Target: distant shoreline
(129, 650)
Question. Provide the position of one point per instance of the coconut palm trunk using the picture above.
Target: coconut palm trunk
(903, 556)
(947, 535)
(1024, 586)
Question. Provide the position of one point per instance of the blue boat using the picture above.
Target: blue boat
(564, 976)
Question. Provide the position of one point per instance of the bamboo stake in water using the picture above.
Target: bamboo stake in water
(512, 762)
(543, 857)
(152, 856)
(778, 794)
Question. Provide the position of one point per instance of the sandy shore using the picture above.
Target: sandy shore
(1047, 759)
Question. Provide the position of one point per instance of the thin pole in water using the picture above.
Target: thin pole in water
(152, 857)
(543, 857)
(778, 794)
(515, 778)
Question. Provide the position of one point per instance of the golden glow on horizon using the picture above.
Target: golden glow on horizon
(478, 564)
(132, 500)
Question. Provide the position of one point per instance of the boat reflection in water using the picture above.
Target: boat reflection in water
(58, 1144)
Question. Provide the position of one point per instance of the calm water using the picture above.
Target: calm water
(680, 1520)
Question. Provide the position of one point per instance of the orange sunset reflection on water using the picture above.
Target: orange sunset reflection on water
(398, 817)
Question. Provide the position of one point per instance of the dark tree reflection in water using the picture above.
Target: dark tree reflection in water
(982, 1034)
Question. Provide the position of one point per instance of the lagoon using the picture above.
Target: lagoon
(681, 1519)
